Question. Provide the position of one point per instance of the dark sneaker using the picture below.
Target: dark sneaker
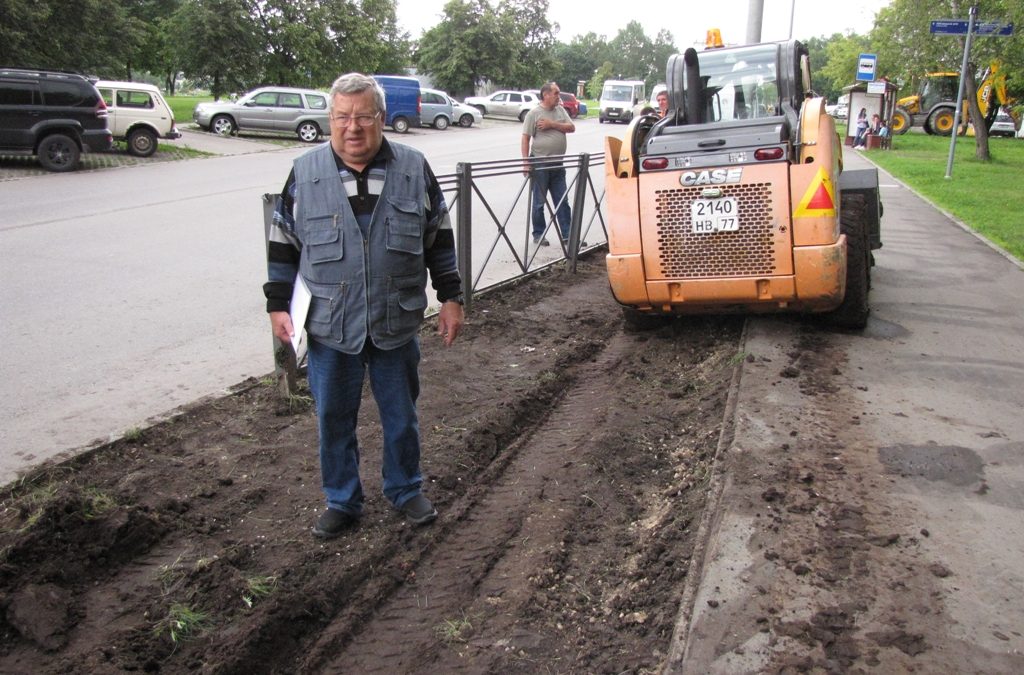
(419, 510)
(332, 523)
(539, 241)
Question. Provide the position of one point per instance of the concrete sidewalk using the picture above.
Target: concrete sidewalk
(866, 509)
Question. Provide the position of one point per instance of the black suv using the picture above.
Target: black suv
(52, 115)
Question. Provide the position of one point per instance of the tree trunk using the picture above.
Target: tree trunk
(974, 110)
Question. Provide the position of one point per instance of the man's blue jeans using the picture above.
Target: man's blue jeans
(549, 180)
(336, 381)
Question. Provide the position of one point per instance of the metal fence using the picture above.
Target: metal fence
(491, 204)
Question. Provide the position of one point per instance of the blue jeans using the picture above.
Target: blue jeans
(549, 180)
(336, 381)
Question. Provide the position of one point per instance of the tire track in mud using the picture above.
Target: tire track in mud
(498, 541)
(567, 459)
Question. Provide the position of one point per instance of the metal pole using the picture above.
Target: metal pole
(755, 16)
(960, 92)
(464, 235)
(578, 201)
(792, 14)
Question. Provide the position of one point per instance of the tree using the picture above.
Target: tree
(465, 48)
(217, 42)
(580, 59)
(822, 85)
(532, 35)
(842, 54)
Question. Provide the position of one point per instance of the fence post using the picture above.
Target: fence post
(286, 368)
(464, 241)
(578, 200)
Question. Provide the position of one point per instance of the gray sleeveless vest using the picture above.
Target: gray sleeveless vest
(374, 286)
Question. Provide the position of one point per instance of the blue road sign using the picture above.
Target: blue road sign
(959, 27)
(866, 67)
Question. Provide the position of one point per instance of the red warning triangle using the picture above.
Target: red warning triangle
(821, 199)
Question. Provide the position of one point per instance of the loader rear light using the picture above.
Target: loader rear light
(766, 154)
(655, 163)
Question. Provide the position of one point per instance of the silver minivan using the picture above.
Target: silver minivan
(435, 109)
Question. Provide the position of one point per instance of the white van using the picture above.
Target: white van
(138, 114)
(619, 98)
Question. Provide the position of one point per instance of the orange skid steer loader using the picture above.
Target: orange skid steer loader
(736, 200)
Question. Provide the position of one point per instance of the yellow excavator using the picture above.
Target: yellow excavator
(934, 106)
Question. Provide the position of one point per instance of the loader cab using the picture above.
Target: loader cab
(728, 99)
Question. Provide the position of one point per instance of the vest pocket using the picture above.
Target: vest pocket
(407, 300)
(326, 317)
(405, 226)
(324, 247)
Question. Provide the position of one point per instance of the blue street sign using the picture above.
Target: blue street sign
(866, 67)
(958, 27)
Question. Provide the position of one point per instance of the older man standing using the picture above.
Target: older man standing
(544, 129)
(363, 220)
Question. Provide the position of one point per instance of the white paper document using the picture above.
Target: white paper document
(299, 309)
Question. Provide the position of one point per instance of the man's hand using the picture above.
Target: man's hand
(449, 321)
(281, 323)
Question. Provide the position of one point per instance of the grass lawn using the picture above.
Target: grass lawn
(182, 106)
(987, 196)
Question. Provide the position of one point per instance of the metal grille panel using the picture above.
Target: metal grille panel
(747, 252)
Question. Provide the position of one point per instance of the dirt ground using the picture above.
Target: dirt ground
(569, 459)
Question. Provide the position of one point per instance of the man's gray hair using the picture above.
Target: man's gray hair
(357, 83)
(546, 87)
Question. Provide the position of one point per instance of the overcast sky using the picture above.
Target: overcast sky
(687, 20)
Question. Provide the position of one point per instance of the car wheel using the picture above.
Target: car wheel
(441, 122)
(466, 120)
(141, 143)
(400, 124)
(222, 125)
(59, 153)
(522, 116)
(308, 132)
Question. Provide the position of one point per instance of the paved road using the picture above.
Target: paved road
(131, 291)
(916, 434)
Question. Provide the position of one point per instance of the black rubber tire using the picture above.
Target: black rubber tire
(308, 132)
(853, 312)
(142, 143)
(440, 122)
(901, 122)
(941, 121)
(400, 124)
(222, 125)
(522, 116)
(466, 120)
(59, 153)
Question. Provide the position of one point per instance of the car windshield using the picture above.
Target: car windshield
(741, 83)
(617, 92)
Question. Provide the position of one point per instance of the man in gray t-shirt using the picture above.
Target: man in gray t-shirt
(545, 128)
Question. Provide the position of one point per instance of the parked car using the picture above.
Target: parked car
(55, 116)
(571, 104)
(465, 115)
(1003, 126)
(436, 109)
(403, 99)
(838, 110)
(138, 115)
(301, 111)
(504, 103)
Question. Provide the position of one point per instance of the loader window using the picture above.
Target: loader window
(741, 83)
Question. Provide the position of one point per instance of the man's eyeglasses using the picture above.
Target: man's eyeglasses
(361, 120)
